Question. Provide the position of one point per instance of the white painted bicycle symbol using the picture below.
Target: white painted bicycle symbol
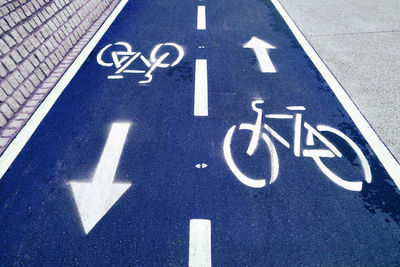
(123, 59)
(316, 154)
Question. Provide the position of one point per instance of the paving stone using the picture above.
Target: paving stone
(24, 91)
(16, 124)
(29, 85)
(16, 56)
(22, 116)
(7, 87)
(9, 132)
(10, 41)
(33, 60)
(28, 66)
(22, 51)
(14, 15)
(35, 80)
(9, 63)
(4, 47)
(4, 25)
(17, 37)
(27, 11)
(3, 95)
(9, 20)
(3, 71)
(19, 97)
(22, 31)
(3, 121)
(6, 110)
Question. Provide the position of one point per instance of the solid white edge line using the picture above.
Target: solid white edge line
(26, 132)
(381, 151)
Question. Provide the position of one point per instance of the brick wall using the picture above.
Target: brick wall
(35, 36)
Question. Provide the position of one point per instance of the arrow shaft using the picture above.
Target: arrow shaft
(107, 167)
(264, 60)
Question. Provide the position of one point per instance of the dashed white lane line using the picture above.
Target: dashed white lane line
(201, 88)
(200, 243)
(201, 17)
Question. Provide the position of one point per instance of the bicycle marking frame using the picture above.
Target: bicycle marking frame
(315, 154)
(123, 59)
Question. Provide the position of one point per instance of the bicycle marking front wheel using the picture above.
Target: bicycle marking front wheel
(251, 182)
(349, 185)
(153, 57)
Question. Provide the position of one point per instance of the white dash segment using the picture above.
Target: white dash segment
(201, 17)
(200, 243)
(201, 88)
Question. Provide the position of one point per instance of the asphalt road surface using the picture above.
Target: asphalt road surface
(199, 133)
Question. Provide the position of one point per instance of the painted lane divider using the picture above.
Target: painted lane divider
(261, 48)
(201, 166)
(201, 88)
(95, 198)
(201, 17)
(200, 243)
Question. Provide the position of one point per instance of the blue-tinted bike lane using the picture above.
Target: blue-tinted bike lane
(181, 189)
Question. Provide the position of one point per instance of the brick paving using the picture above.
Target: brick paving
(39, 40)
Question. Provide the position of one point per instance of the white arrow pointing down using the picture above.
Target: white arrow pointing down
(95, 198)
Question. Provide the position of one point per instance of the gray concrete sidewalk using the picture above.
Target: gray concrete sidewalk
(359, 41)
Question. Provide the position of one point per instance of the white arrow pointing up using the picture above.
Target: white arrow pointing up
(260, 48)
(95, 198)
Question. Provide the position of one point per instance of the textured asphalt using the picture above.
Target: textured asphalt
(303, 218)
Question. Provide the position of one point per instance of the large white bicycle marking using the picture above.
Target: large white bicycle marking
(123, 59)
(312, 134)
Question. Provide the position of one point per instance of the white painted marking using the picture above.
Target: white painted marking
(200, 243)
(95, 198)
(153, 54)
(297, 135)
(201, 166)
(296, 108)
(261, 48)
(201, 88)
(277, 136)
(255, 183)
(26, 132)
(114, 77)
(381, 151)
(322, 139)
(278, 116)
(256, 129)
(201, 17)
(100, 56)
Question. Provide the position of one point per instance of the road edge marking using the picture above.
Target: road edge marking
(15, 147)
(382, 152)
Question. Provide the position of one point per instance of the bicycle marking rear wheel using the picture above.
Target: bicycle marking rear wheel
(349, 185)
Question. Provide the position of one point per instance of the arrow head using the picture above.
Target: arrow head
(94, 200)
(256, 43)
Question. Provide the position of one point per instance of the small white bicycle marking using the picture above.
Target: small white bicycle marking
(314, 153)
(123, 59)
